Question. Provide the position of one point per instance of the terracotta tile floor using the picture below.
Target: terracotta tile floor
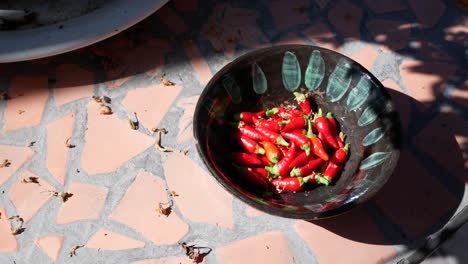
(51, 128)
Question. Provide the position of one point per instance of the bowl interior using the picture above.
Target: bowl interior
(266, 78)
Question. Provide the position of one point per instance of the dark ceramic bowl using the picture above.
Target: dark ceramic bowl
(266, 78)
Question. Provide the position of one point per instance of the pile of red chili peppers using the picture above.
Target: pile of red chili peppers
(287, 148)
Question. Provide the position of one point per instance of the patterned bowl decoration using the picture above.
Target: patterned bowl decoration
(266, 78)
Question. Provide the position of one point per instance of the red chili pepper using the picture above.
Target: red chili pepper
(268, 124)
(248, 116)
(274, 111)
(334, 129)
(313, 178)
(282, 168)
(271, 151)
(306, 169)
(322, 125)
(300, 160)
(266, 161)
(294, 112)
(317, 146)
(330, 173)
(283, 150)
(299, 131)
(256, 178)
(302, 141)
(246, 159)
(260, 171)
(303, 102)
(293, 184)
(340, 155)
(322, 139)
(295, 123)
(253, 176)
(276, 119)
(291, 113)
(248, 144)
(260, 113)
(272, 136)
(255, 120)
(249, 131)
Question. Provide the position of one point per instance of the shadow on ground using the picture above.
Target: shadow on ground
(422, 194)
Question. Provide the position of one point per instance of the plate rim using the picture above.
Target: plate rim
(75, 33)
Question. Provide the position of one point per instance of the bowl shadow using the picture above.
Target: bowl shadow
(423, 193)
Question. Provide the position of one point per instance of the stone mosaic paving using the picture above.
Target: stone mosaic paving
(52, 129)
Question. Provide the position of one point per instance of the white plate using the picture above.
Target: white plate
(106, 21)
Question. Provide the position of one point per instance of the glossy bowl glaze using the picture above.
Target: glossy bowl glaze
(266, 78)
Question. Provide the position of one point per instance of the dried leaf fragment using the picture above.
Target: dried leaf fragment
(133, 125)
(15, 217)
(106, 99)
(97, 99)
(194, 253)
(68, 144)
(31, 179)
(31, 143)
(5, 163)
(62, 195)
(17, 231)
(73, 250)
(17, 226)
(100, 99)
(165, 209)
(166, 82)
(191, 252)
(173, 194)
(105, 110)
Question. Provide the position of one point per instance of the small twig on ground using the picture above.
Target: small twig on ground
(73, 250)
(68, 144)
(158, 143)
(157, 129)
(133, 122)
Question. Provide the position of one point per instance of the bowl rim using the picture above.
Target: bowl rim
(264, 208)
